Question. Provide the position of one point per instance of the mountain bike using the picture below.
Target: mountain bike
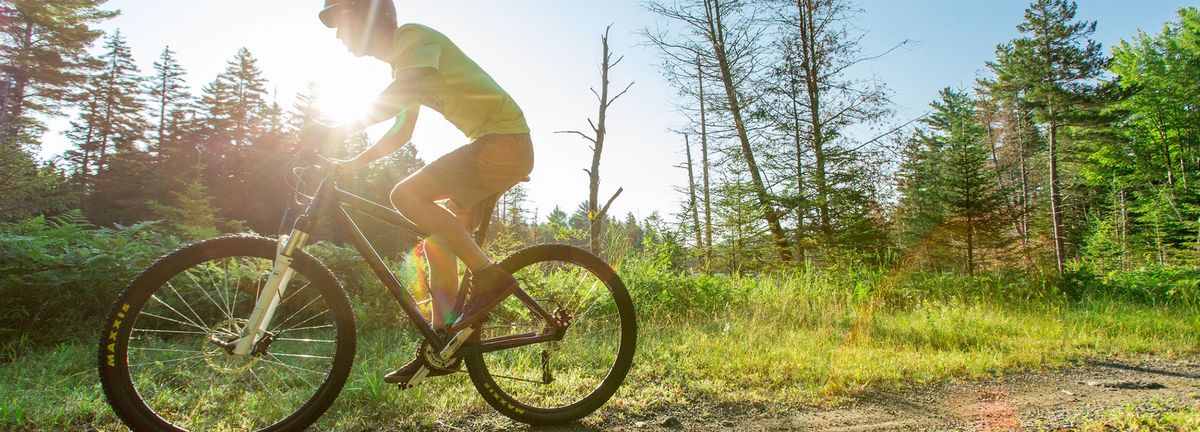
(243, 332)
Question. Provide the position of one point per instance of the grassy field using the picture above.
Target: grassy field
(809, 337)
(1149, 416)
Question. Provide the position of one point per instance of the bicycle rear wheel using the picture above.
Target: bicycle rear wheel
(165, 361)
(558, 381)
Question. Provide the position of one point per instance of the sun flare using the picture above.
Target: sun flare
(340, 102)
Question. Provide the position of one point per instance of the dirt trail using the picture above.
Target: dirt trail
(1046, 400)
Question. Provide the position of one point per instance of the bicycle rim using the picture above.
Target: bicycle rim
(179, 370)
(559, 380)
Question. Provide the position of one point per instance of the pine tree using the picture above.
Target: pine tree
(243, 145)
(235, 106)
(118, 93)
(107, 136)
(169, 101)
(1146, 158)
(190, 214)
(1050, 68)
(85, 133)
(920, 212)
(43, 58)
(44, 54)
(970, 195)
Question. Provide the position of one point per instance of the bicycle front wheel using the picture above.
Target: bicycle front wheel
(557, 381)
(166, 362)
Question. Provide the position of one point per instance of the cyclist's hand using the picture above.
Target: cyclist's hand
(340, 166)
(345, 166)
(317, 135)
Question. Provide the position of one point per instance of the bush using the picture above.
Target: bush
(1154, 285)
(59, 275)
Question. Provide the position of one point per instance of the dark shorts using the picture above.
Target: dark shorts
(484, 168)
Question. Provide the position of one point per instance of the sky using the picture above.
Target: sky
(546, 54)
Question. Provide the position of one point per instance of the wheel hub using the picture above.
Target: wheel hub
(219, 343)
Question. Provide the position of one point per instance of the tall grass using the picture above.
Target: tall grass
(793, 336)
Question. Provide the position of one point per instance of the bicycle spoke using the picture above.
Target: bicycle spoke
(168, 331)
(162, 349)
(200, 287)
(220, 289)
(590, 308)
(258, 288)
(293, 315)
(305, 321)
(173, 320)
(306, 356)
(304, 340)
(186, 304)
(517, 379)
(222, 292)
(237, 292)
(293, 294)
(293, 369)
(166, 361)
(296, 329)
(181, 315)
(277, 376)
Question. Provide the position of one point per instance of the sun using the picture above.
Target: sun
(340, 103)
(347, 87)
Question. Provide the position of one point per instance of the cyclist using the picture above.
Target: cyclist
(431, 71)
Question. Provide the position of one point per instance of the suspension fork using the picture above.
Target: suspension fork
(268, 300)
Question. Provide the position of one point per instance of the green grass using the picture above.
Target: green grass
(817, 337)
(1157, 415)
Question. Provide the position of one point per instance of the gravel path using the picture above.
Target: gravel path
(1046, 400)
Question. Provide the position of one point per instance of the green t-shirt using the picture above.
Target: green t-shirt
(460, 90)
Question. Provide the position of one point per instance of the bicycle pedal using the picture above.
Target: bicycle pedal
(416, 378)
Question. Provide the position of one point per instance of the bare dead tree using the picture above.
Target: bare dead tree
(596, 213)
(704, 167)
(819, 48)
(687, 145)
(726, 42)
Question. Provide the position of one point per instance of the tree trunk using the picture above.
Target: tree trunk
(708, 231)
(1024, 195)
(162, 114)
(16, 104)
(811, 68)
(692, 194)
(595, 217)
(970, 246)
(798, 142)
(1055, 198)
(1124, 233)
(1004, 189)
(716, 30)
(596, 212)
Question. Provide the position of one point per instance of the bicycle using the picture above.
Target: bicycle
(188, 347)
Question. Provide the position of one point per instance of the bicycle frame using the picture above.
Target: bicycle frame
(330, 198)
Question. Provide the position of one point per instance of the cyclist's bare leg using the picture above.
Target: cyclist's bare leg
(415, 197)
(443, 282)
(443, 273)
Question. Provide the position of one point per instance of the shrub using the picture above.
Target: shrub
(1154, 285)
(59, 275)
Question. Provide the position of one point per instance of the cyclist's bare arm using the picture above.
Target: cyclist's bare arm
(399, 100)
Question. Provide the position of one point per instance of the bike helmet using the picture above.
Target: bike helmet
(376, 12)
